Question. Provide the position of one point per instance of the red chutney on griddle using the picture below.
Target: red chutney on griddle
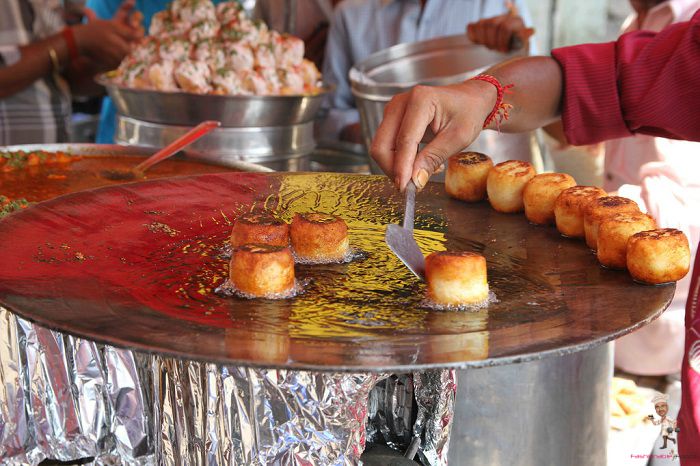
(39, 175)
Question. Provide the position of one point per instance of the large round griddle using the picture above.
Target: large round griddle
(137, 266)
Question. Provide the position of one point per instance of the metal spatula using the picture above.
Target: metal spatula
(400, 238)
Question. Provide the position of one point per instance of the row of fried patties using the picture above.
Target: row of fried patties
(265, 248)
(614, 227)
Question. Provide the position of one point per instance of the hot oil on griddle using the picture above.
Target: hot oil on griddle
(150, 260)
(348, 299)
(353, 300)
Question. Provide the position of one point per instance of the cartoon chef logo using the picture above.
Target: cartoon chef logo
(668, 425)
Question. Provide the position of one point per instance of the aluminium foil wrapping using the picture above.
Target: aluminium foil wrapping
(221, 415)
(391, 410)
(68, 398)
(419, 405)
(435, 392)
(17, 443)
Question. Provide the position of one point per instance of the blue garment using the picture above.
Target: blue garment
(363, 27)
(106, 9)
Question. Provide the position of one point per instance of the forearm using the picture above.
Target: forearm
(455, 116)
(536, 93)
(35, 63)
(80, 74)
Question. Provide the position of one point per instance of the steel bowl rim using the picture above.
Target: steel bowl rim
(282, 129)
(377, 90)
(105, 81)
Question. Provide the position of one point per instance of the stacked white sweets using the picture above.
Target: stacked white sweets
(196, 47)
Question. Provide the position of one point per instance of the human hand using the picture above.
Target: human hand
(453, 114)
(106, 42)
(73, 11)
(129, 16)
(503, 33)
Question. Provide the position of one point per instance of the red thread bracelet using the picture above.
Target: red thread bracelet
(72, 46)
(500, 109)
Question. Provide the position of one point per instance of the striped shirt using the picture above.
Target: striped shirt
(40, 113)
(363, 27)
(624, 157)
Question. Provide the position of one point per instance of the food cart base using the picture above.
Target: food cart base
(549, 411)
(67, 398)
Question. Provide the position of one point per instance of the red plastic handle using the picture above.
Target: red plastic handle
(178, 144)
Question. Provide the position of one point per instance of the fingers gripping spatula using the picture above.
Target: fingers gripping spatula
(400, 238)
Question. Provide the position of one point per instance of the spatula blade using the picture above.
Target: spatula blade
(403, 244)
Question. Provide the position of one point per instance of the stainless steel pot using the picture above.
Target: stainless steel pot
(340, 157)
(283, 148)
(552, 411)
(446, 60)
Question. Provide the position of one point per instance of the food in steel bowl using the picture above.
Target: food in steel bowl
(540, 194)
(7, 205)
(28, 176)
(658, 256)
(196, 47)
(505, 184)
(456, 278)
(259, 228)
(262, 271)
(319, 238)
(568, 209)
(17, 160)
(466, 175)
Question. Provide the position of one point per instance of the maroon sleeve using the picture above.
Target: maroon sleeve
(643, 83)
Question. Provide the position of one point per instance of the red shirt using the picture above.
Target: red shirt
(645, 82)
(689, 415)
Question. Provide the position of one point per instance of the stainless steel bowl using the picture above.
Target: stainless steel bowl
(186, 109)
(339, 157)
(446, 60)
(441, 61)
(281, 148)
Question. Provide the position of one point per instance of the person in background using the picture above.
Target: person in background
(42, 61)
(363, 27)
(663, 177)
(658, 174)
(144, 11)
(643, 83)
(310, 21)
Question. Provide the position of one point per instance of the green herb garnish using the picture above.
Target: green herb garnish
(8, 206)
